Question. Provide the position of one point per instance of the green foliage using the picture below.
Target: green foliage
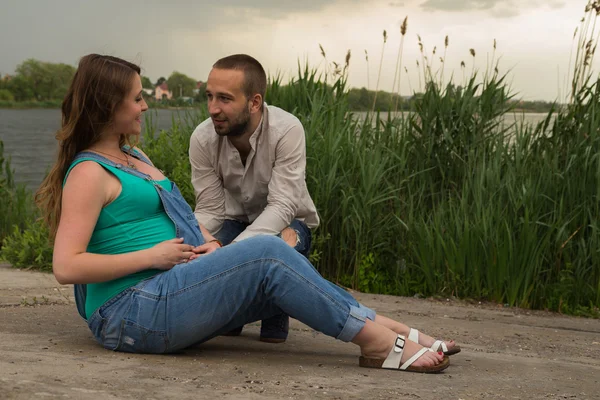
(36, 81)
(24, 241)
(319, 241)
(362, 100)
(21, 88)
(372, 277)
(181, 85)
(16, 208)
(147, 83)
(28, 247)
(39, 80)
(6, 95)
(201, 95)
(449, 199)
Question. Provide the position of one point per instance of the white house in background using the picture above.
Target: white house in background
(162, 92)
(148, 91)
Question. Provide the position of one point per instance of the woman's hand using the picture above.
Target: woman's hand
(206, 248)
(169, 253)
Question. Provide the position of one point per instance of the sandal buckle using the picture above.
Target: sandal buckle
(399, 345)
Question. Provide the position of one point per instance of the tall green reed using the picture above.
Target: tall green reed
(16, 208)
(453, 199)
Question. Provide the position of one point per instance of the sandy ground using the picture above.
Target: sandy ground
(46, 351)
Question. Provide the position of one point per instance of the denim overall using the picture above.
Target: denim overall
(173, 202)
(251, 280)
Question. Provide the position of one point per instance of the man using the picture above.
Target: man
(248, 168)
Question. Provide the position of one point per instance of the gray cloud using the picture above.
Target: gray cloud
(497, 8)
(460, 5)
(506, 12)
(64, 30)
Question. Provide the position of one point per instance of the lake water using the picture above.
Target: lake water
(28, 137)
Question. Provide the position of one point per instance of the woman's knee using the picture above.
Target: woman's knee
(266, 240)
(270, 246)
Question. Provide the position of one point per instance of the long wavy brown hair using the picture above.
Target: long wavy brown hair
(97, 90)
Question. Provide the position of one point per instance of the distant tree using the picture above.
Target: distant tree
(5, 95)
(61, 77)
(201, 95)
(160, 81)
(147, 83)
(360, 99)
(21, 89)
(181, 85)
(41, 80)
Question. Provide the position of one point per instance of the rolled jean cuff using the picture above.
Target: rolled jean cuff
(355, 322)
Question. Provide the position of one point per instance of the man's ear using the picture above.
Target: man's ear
(256, 103)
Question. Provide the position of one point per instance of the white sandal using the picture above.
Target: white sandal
(394, 358)
(438, 345)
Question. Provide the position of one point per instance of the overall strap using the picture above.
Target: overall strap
(88, 155)
(135, 153)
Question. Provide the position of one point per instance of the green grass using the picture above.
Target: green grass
(446, 199)
(16, 208)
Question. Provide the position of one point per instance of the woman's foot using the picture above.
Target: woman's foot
(423, 339)
(377, 342)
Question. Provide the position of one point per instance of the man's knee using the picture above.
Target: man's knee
(298, 236)
(290, 236)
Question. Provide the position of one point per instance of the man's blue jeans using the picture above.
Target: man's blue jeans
(232, 228)
(244, 282)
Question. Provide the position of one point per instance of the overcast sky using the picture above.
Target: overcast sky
(534, 37)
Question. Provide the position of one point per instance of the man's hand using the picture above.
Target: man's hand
(205, 248)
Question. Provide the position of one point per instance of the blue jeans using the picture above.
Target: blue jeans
(241, 283)
(232, 228)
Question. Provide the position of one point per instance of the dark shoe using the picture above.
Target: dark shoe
(234, 332)
(275, 329)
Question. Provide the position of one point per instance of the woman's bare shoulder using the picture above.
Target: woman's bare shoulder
(86, 174)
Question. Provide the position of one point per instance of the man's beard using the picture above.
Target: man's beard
(237, 127)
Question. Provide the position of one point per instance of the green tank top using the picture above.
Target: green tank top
(135, 220)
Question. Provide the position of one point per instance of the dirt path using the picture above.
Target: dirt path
(46, 351)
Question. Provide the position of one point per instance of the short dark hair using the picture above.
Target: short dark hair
(255, 78)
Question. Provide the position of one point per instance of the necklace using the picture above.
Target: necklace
(127, 161)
